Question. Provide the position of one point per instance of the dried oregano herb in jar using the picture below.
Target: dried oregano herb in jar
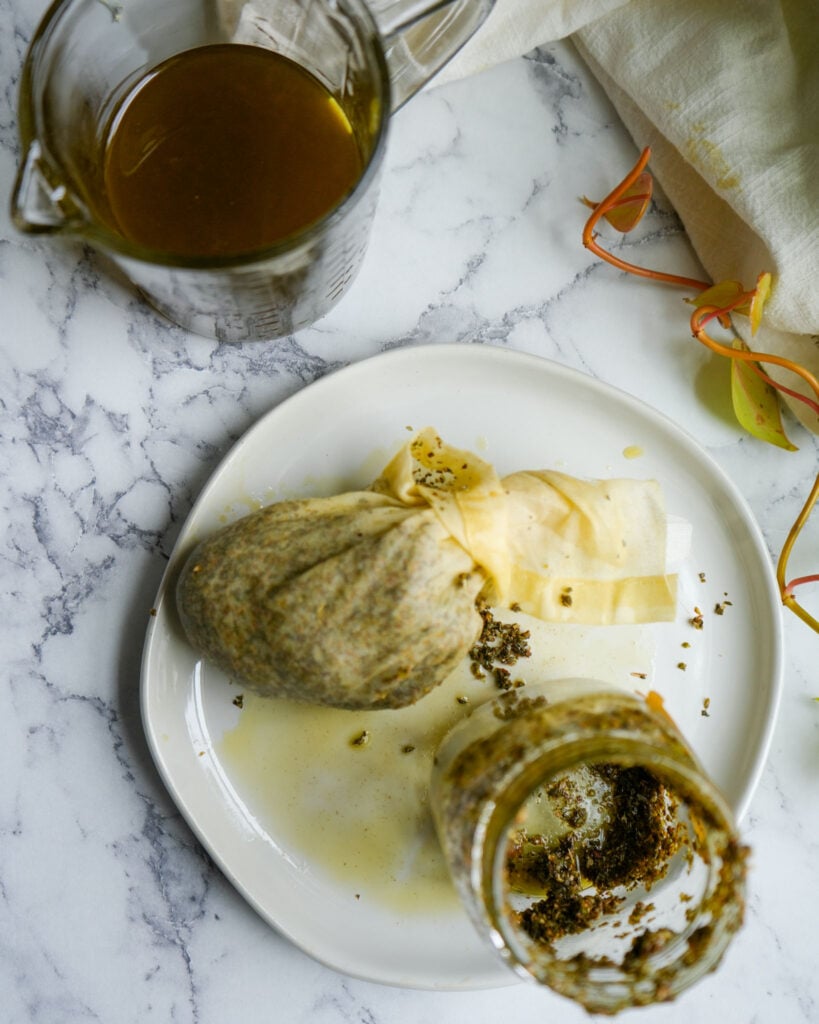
(587, 843)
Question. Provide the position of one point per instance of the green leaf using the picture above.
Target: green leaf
(756, 404)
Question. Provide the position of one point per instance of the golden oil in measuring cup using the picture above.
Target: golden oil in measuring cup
(226, 149)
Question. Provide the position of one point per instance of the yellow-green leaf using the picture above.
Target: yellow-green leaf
(628, 210)
(756, 404)
(720, 295)
(761, 292)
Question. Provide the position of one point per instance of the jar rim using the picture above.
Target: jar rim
(691, 952)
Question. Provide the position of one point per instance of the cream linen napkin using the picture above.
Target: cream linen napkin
(726, 93)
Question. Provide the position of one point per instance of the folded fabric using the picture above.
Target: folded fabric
(367, 599)
(560, 548)
(727, 96)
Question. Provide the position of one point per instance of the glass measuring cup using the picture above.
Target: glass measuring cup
(87, 55)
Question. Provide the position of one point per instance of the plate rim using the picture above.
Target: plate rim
(443, 351)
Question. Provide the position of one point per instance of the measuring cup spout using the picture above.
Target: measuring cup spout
(39, 202)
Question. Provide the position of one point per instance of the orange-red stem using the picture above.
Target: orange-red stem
(612, 200)
(699, 318)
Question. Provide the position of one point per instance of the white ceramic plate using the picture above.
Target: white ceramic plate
(519, 412)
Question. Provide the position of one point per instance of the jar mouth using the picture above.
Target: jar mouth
(611, 941)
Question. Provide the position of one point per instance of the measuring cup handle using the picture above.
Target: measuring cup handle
(420, 36)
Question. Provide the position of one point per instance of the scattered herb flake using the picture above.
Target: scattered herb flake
(500, 644)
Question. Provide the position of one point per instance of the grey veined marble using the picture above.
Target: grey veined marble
(111, 422)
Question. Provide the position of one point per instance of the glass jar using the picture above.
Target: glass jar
(587, 844)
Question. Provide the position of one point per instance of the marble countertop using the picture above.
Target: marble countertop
(112, 421)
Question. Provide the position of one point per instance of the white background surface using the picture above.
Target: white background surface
(111, 423)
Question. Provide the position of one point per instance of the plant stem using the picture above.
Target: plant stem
(611, 201)
(699, 318)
